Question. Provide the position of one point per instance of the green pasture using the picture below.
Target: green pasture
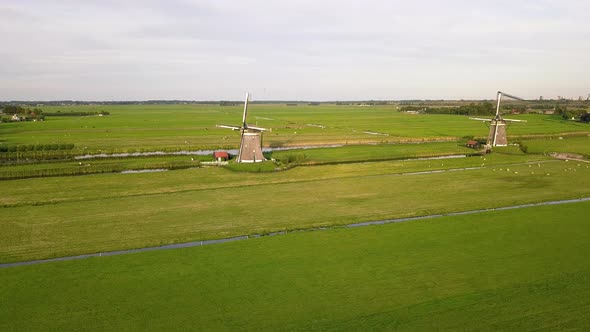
(68, 189)
(98, 165)
(358, 153)
(517, 270)
(180, 127)
(53, 217)
(578, 145)
(27, 166)
(506, 270)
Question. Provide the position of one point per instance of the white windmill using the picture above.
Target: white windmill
(497, 135)
(251, 139)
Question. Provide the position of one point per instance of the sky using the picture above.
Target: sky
(293, 50)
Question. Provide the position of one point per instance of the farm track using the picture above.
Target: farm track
(252, 185)
(245, 237)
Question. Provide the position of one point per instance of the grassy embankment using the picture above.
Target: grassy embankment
(363, 153)
(511, 270)
(95, 166)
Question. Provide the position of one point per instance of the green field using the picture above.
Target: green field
(52, 217)
(93, 166)
(179, 127)
(578, 145)
(518, 270)
(356, 153)
(504, 270)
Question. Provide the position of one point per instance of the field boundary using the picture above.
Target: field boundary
(245, 237)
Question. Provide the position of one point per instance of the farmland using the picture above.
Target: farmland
(182, 127)
(381, 164)
(578, 145)
(511, 270)
(120, 211)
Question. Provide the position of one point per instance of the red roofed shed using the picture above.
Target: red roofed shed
(221, 155)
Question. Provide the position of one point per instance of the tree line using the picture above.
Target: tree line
(484, 108)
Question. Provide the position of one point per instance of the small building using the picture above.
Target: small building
(16, 117)
(472, 144)
(221, 155)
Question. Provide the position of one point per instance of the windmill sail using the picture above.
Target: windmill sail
(244, 124)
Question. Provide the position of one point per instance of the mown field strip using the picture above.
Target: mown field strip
(238, 238)
(215, 179)
(514, 270)
(161, 218)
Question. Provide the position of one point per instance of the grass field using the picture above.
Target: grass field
(505, 270)
(174, 127)
(66, 216)
(83, 167)
(370, 152)
(579, 145)
(519, 270)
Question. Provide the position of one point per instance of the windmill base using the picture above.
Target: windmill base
(497, 135)
(251, 148)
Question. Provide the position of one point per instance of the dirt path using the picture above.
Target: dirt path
(569, 156)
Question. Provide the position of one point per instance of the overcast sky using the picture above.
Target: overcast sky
(292, 50)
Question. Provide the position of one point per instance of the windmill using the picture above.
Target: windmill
(251, 139)
(497, 135)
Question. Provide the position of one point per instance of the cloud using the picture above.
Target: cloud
(292, 49)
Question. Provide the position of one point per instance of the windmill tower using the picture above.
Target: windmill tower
(498, 124)
(251, 139)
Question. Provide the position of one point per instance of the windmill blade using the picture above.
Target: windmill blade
(511, 96)
(513, 120)
(499, 99)
(228, 127)
(244, 124)
(256, 128)
(500, 94)
(480, 119)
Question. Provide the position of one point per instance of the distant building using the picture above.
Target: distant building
(16, 117)
(221, 155)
